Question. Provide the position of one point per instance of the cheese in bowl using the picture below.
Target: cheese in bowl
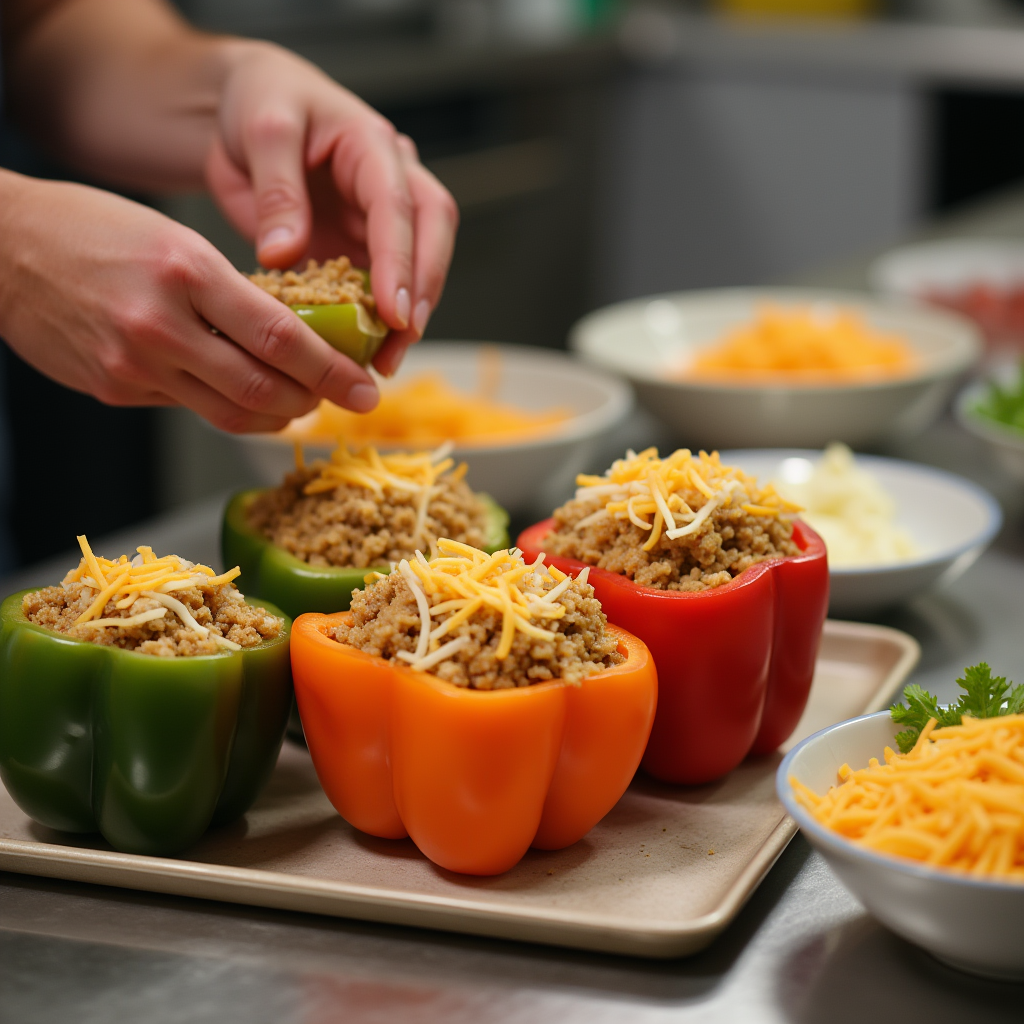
(802, 344)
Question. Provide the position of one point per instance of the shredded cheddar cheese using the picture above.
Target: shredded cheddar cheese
(526, 594)
(414, 473)
(123, 582)
(955, 801)
(649, 492)
(426, 411)
(804, 344)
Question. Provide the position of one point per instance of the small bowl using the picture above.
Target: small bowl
(951, 519)
(644, 338)
(976, 926)
(523, 476)
(1005, 442)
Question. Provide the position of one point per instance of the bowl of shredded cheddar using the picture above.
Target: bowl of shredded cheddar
(782, 367)
(524, 420)
(925, 827)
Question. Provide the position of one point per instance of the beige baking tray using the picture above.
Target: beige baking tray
(660, 876)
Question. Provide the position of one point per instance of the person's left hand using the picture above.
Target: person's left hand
(306, 169)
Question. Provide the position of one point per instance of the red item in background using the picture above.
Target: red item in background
(735, 663)
(998, 309)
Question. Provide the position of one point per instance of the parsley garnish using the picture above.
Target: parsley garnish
(984, 696)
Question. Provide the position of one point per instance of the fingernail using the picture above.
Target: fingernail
(420, 317)
(277, 236)
(395, 359)
(402, 305)
(362, 397)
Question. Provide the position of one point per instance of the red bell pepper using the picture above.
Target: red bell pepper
(735, 663)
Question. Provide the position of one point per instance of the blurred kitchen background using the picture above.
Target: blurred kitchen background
(601, 150)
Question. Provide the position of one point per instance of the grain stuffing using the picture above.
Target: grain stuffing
(683, 523)
(167, 607)
(487, 622)
(365, 509)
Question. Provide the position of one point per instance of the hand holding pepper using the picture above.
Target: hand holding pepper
(111, 298)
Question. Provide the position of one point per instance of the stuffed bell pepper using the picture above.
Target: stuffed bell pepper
(334, 299)
(144, 699)
(475, 702)
(720, 580)
(307, 544)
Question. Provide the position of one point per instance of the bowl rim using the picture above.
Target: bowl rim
(965, 334)
(981, 426)
(823, 837)
(618, 403)
(881, 268)
(981, 538)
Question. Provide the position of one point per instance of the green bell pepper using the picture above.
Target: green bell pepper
(348, 327)
(297, 586)
(149, 751)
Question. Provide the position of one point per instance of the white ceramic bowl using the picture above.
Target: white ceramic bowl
(1005, 442)
(952, 520)
(644, 338)
(913, 270)
(977, 926)
(526, 477)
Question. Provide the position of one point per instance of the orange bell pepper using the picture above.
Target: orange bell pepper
(473, 777)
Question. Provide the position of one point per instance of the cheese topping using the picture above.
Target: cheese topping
(413, 473)
(469, 580)
(124, 582)
(649, 492)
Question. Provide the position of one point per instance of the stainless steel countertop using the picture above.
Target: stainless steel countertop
(801, 951)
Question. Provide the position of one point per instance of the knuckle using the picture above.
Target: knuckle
(271, 126)
(276, 337)
(257, 392)
(281, 197)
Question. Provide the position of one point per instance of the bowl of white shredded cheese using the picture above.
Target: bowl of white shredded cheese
(893, 529)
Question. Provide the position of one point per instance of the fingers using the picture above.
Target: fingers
(269, 331)
(220, 411)
(243, 380)
(273, 142)
(369, 171)
(436, 222)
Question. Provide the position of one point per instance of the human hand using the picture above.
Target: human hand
(306, 169)
(114, 299)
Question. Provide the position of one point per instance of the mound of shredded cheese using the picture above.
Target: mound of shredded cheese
(468, 580)
(648, 491)
(806, 345)
(425, 411)
(956, 801)
(123, 582)
(849, 508)
(414, 473)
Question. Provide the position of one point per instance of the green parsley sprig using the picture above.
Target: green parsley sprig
(984, 696)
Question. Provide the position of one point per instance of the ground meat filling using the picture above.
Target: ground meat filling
(385, 620)
(351, 526)
(730, 541)
(337, 281)
(221, 609)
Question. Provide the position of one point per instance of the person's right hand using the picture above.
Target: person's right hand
(112, 298)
